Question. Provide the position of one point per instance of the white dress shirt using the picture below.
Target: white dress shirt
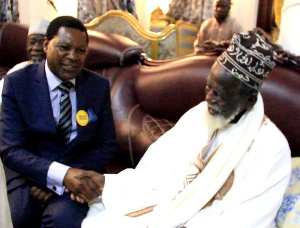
(57, 171)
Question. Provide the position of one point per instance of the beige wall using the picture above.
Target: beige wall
(289, 30)
(141, 8)
(144, 9)
(245, 11)
(31, 9)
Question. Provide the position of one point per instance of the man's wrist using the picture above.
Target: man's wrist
(55, 177)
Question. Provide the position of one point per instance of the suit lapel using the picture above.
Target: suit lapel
(82, 98)
(41, 91)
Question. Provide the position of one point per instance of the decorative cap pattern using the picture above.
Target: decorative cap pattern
(250, 58)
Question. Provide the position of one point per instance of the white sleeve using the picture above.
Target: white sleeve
(261, 178)
(18, 67)
(55, 177)
(254, 212)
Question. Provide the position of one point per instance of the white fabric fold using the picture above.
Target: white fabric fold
(195, 196)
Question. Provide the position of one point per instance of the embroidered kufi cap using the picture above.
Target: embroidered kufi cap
(38, 26)
(249, 57)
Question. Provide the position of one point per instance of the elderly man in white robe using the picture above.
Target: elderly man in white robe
(35, 52)
(34, 47)
(224, 164)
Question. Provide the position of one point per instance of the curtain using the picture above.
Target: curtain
(9, 11)
(89, 9)
(192, 11)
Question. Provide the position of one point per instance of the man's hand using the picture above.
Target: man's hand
(41, 195)
(86, 185)
(74, 197)
(211, 43)
(225, 43)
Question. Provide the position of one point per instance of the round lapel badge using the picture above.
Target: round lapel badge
(82, 118)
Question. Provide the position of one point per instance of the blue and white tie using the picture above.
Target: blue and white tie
(65, 118)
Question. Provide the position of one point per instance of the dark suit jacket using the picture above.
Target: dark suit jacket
(29, 142)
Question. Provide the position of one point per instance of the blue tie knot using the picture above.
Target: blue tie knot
(65, 87)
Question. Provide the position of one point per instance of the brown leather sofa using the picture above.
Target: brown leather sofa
(111, 49)
(148, 97)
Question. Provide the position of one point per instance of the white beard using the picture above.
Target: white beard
(218, 122)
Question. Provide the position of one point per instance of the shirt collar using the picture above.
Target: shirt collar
(54, 81)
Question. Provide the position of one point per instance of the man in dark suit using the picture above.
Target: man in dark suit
(57, 132)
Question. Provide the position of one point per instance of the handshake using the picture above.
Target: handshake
(84, 186)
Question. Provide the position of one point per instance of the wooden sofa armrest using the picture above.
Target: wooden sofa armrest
(160, 45)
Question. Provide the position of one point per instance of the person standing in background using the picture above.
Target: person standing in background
(219, 29)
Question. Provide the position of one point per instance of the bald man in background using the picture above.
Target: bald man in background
(219, 29)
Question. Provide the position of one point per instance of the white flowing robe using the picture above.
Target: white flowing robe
(15, 68)
(261, 176)
(5, 218)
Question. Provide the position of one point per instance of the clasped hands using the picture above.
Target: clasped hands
(82, 185)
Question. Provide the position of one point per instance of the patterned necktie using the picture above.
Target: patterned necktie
(65, 117)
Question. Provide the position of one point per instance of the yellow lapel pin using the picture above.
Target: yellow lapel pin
(82, 118)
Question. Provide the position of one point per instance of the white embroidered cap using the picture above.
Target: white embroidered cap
(250, 58)
(38, 26)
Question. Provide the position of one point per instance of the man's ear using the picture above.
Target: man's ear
(45, 45)
(251, 100)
